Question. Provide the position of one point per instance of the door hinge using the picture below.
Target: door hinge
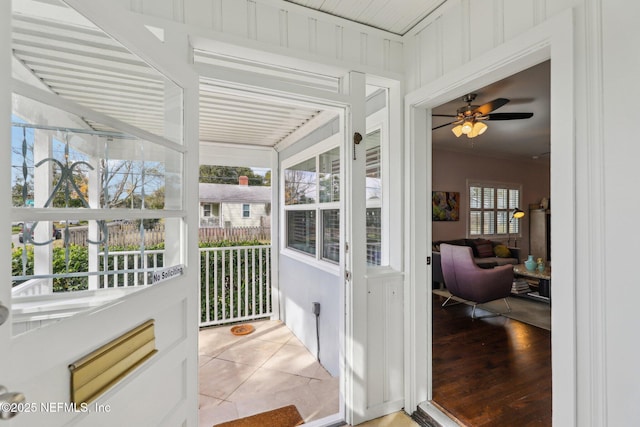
(346, 246)
(428, 260)
(347, 275)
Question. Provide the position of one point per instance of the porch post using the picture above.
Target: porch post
(355, 259)
(94, 191)
(275, 235)
(42, 176)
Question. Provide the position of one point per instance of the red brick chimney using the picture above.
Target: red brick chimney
(243, 180)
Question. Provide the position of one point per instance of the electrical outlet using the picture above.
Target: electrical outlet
(316, 308)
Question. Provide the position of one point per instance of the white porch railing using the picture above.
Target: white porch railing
(121, 263)
(32, 287)
(235, 284)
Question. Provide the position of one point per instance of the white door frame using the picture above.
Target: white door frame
(348, 105)
(553, 40)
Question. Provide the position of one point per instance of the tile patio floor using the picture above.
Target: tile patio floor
(267, 369)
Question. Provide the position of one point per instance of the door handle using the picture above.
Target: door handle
(4, 314)
(9, 403)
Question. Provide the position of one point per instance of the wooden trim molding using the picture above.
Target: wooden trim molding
(98, 371)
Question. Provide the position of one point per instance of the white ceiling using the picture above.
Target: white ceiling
(528, 91)
(395, 16)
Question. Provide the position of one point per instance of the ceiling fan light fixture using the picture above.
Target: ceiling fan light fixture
(478, 129)
(457, 130)
(467, 127)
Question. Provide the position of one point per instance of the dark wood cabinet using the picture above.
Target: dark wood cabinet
(540, 233)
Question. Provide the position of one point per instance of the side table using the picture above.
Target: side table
(543, 278)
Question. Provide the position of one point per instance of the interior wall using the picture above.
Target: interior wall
(451, 170)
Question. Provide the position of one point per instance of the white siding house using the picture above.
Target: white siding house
(242, 205)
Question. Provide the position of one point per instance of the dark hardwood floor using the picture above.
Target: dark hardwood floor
(490, 372)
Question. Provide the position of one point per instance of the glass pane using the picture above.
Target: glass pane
(488, 198)
(55, 166)
(515, 226)
(301, 231)
(475, 223)
(300, 183)
(78, 61)
(502, 194)
(373, 166)
(475, 197)
(514, 199)
(374, 236)
(502, 222)
(330, 176)
(488, 224)
(132, 248)
(331, 235)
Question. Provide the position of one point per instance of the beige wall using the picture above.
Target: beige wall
(233, 212)
(452, 169)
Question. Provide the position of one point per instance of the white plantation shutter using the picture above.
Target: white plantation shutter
(490, 208)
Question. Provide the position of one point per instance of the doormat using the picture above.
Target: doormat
(287, 416)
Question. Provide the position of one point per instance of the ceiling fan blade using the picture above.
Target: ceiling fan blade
(485, 109)
(441, 126)
(508, 116)
(444, 115)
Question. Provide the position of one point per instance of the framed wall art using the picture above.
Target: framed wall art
(445, 205)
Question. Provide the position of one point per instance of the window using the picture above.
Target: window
(312, 206)
(374, 198)
(490, 207)
(246, 210)
(206, 210)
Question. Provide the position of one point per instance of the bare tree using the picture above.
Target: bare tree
(299, 186)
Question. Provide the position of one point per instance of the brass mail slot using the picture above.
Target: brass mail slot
(92, 375)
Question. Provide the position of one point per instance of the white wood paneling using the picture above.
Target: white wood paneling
(461, 30)
(385, 365)
(430, 52)
(202, 16)
(234, 17)
(481, 27)
(277, 23)
(297, 31)
(159, 8)
(518, 17)
(268, 31)
(454, 45)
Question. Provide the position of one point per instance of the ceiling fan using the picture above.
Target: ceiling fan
(469, 119)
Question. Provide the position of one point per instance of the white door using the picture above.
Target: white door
(35, 364)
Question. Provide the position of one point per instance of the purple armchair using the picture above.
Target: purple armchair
(464, 279)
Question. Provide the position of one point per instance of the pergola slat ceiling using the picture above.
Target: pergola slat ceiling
(83, 64)
(241, 119)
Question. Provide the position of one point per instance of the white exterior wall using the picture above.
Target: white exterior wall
(605, 165)
(233, 212)
(462, 30)
(282, 28)
(301, 285)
